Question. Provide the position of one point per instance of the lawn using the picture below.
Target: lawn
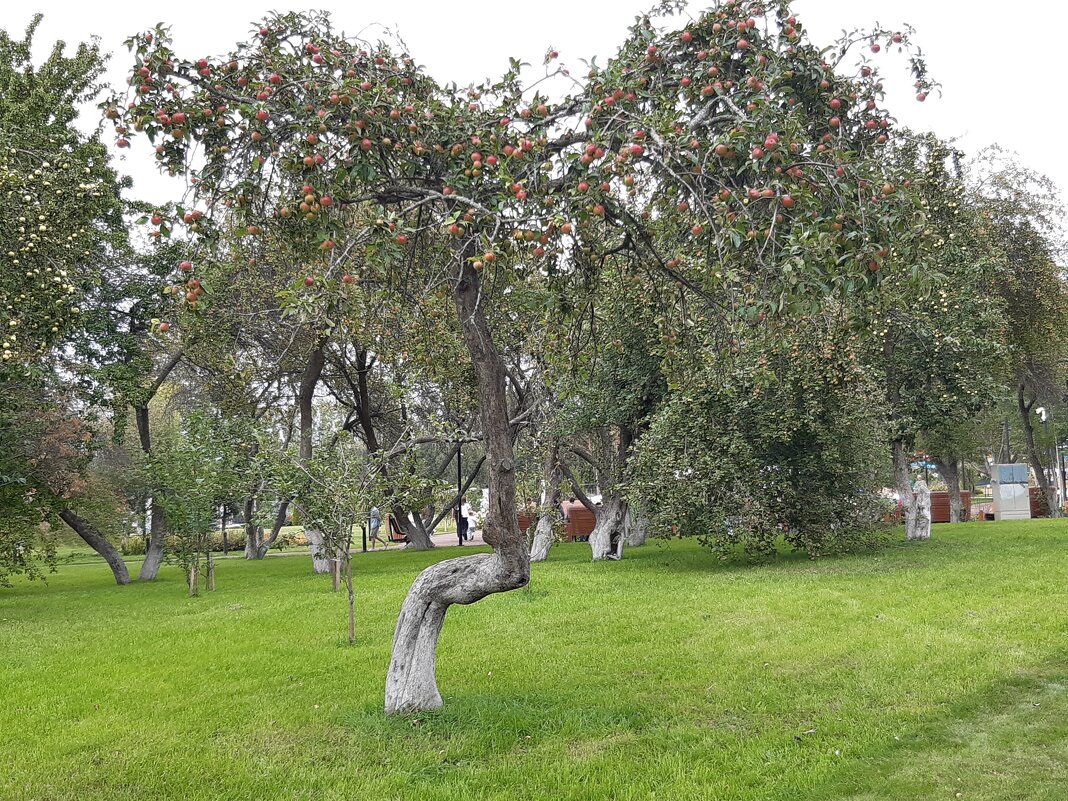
(923, 671)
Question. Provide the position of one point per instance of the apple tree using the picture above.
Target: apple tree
(374, 171)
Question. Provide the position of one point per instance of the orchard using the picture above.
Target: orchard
(710, 289)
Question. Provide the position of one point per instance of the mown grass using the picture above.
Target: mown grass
(923, 671)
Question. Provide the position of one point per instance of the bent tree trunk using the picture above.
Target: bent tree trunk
(411, 683)
(949, 469)
(256, 544)
(550, 505)
(98, 543)
(607, 537)
(156, 540)
(904, 487)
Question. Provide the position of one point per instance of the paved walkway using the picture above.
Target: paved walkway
(440, 541)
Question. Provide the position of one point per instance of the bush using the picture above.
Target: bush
(785, 443)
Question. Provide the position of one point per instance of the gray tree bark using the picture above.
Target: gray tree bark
(98, 543)
(904, 487)
(1049, 490)
(550, 504)
(608, 535)
(949, 469)
(313, 370)
(252, 531)
(636, 526)
(158, 530)
(921, 528)
(413, 528)
(411, 682)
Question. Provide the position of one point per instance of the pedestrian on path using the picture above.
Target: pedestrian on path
(461, 521)
(375, 525)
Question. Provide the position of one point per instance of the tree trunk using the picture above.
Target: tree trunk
(550, 504)
(98, 543)
(543, 538)
(317, 546)
(352, 597)
(904, 487)
(308, 381)
(949, 469)
(411, 683)
(225, 541)
(607, 537)
(194, 579)
(636, 526)
(252, 531)
(156, 542)
(412, 526)
(1049, 490)
(921, 529)
(264, 544)
(155, 546)
(209, 582)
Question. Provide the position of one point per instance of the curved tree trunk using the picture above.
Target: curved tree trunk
(550, 504)
(607, 537)
(156, 541)
(904, 487)
(411, 683)
(98, 543)
(263, 544)
(158, 531)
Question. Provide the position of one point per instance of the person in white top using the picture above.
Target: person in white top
(468, 514)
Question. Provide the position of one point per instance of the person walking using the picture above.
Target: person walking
(461, 522)
(468, 515)
(375, 520)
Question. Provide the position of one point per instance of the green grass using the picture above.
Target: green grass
(923, 671)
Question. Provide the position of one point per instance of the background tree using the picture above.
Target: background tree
(1025, 216)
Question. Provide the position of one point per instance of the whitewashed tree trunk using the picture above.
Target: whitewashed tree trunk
(543, 538)
(607, 537)
(550, 504)
(317, 546)
(411, 683)
(921, 529)
(904, 488)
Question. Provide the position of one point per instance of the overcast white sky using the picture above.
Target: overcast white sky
(1002, 74)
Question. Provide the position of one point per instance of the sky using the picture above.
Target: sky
(993, 91)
